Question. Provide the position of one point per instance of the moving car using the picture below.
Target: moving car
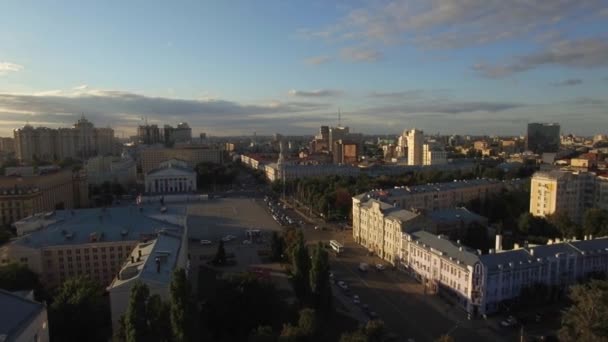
(228, 238)
(356, 299)
(342, 285)
(380, 267)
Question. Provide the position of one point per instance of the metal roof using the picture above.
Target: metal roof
(448, 248)
(17, 313)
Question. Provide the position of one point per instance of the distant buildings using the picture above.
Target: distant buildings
(152, 157)
(112, 169)
(434, 155)
(563, 192)
(7, 145)
(151, 263)
(171, 176)
(168, 135)
(415, 140)
(80, 142)
(30, 193)
(543, 138)
(23, 319)
(345, 152)
(95, 242)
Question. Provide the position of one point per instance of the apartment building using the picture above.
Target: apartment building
(81, 141)
(601, 192)
(431, 197)
(121, 170)
(433, 155)
(152, 157)
(152, 263)
(479, 284)
(7, 145)
(95, 242)
(23, 319)
(378, 226)
(562, 192)
(415, 140)
(22, 196)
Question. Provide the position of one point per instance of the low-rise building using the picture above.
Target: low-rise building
(151, 263)
(95, 242)
(23, 319)
(172, 176)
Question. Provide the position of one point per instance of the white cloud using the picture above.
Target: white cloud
(6, 67)
(317, 60)
(315, 93)
(356, 54)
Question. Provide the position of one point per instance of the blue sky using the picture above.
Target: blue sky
(235, 67)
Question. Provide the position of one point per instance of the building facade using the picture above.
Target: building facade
(172, 176)
(112, 169)
(434, 155)
(562, 192)
(81, 141)
(415, 140)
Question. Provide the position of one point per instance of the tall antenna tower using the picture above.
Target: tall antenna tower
(339, 118)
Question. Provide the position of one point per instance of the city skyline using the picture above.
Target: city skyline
(463, 67)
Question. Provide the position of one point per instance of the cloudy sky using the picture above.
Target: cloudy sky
(238, 67)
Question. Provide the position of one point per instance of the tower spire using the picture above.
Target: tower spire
(339, 118)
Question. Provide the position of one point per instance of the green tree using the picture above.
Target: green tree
(290, 333)
(79, 312)
(375, 331)
(159, 319)
(307, 323)
(277, 247)
(220, 255)
(180, 306)
(595, 222)
(319, 281)
(136, 321)
(445, 338)
(355, 336)
(476, 236)
(565, 226)
(300, 269)
(15, 277)
(587, 318)
(262, 334)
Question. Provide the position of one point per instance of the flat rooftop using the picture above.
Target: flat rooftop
(81, 226)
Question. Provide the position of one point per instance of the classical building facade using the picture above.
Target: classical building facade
(81, 141)
(172, 176)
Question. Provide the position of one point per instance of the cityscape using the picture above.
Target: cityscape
(328, 171)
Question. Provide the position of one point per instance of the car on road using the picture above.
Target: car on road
(363, 267)
(356, 299)
(246, 242)
(380, 267)
(228, 238)
(509, 322)
(206, 242)
(342, 285)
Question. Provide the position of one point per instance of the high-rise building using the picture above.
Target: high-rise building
(345, 152)
(562, 192)
(7, 145)
(433, 154)
(543, 137)
(180, 134)
(335, 134)
(415, 140)
(79, 142)
(149, 134)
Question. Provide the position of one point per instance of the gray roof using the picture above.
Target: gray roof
(17, 313)
(589, 246)
(516, 256)
(117, 223)
(392, 211)
(172, 167)
(550, 251)
(451, 215)
(449, 248)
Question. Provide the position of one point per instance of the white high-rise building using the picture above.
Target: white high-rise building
(415, 140)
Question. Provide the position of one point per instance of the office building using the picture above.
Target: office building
(149, 135)
(562, 192)
(23, 319)
(543, 138)
(112, 169)
(345, 152)
(171, 176)
(335, 134)
(180, 134)
(151, 263)
(81, 141)
(7, 145)
(47, 190)
(94, 242)
(152, 157)
(415, 140)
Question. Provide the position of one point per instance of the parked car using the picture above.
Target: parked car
(342, 285)
(380, 267)
(356, 299)
(205, 242)
(363, 267)
(228, 238)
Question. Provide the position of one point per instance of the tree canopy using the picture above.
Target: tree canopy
(587, 318)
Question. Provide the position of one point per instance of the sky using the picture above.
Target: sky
(239, 67)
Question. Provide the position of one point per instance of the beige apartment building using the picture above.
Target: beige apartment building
(152, 157)
(81, 141)
(557, 192)
(95, 242)
(415, 140)
(22, 196)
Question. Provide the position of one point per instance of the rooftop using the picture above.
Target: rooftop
(156, 263)
(449, 249)
(17, 312)
(451, 215)
(81, 226)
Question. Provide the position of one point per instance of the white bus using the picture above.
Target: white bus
(336, 246)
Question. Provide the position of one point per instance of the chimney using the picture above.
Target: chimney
(498, 246)
(515, 246)
(532, 251)
(157, 264)
(585, 237)
(590, 237)
(491, 251)
(557, 240)
(458, 242)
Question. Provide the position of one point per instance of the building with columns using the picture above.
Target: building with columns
(172, 176)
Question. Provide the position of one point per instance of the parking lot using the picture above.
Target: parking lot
(218, 218)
